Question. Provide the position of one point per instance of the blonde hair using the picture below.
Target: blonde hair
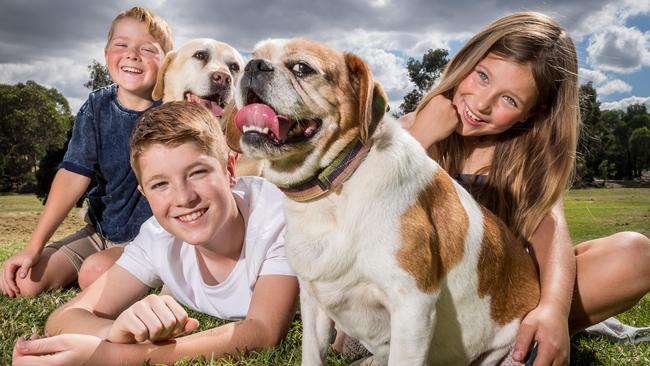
(534, 161)
(157, 26)
(174, 124)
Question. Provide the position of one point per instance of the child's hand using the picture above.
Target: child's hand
(17, 265)
(435, 122)
(154, 318)
(64, 349)
(551, 331)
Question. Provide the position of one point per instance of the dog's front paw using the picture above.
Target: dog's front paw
(369, 361)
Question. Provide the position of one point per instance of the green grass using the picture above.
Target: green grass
(591, 213)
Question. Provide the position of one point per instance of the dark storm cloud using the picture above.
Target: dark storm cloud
(32, 30)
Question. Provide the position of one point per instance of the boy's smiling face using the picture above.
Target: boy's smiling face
(132, 57)
(189, 192)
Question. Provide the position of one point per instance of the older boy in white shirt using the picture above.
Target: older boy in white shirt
(220, 251)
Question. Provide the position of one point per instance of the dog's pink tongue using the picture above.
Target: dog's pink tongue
(258, 115)
(212, 106)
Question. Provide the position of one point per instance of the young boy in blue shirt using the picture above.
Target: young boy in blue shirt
(137, 43)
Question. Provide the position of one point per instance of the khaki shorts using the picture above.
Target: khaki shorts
(82, 244)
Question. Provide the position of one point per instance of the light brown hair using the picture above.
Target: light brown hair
(174, 124)
(157, 26)
(533, 161)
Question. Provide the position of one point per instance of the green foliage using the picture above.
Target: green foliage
(423, 74)
(606, 169)
(33, 120)
(640, 150)
(615, 136)
(99, 76)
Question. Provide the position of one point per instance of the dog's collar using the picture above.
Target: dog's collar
(332, 175)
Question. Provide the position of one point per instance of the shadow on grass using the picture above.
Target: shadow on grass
(582, 356)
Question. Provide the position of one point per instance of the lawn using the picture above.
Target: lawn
(591, 213)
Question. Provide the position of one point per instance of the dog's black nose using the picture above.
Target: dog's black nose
(258, 65)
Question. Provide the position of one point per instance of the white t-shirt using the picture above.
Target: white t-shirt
(156, 257)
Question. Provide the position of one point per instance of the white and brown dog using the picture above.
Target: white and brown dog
(203, 71)
(384, 242)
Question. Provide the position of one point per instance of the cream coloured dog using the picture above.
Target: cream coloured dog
(204, 71)
(384, 242)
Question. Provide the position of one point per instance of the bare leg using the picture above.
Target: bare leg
(53, 270)
(613, 274)
(98, 263)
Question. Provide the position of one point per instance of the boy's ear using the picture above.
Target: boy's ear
(141, 191)
(159, 88)
(230, 167)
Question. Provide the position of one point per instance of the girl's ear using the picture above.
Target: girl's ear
(230, 167)
(141, 191)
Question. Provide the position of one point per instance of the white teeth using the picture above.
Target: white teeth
(264, 130)
(472, 115)
(192, 216)
(131, 69)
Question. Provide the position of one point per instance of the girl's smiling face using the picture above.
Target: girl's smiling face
(497, 94)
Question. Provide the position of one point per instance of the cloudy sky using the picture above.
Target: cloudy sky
(52, 42)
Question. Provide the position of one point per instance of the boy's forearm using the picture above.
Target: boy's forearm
(229, 339)
(66, 190)
(77, 320)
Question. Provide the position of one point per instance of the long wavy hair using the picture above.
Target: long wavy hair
(533, 161)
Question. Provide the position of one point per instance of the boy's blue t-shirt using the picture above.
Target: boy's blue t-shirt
(99, 148)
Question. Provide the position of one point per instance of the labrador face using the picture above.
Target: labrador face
(203, 71)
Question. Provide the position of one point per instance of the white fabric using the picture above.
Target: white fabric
(618, 332)
(156, 257)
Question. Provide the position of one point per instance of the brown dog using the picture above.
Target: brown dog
(384, 242)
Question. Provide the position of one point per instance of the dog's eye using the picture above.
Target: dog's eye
(301, 69)
(200, 55)
(233, 67)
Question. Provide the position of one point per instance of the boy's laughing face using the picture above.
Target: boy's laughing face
(132, 57)
(189, 193)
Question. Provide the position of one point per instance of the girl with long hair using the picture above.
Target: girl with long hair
(504, 121)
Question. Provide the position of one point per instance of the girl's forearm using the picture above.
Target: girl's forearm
(556, 260)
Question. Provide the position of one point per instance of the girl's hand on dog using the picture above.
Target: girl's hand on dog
(551, 331)
(435, 122)
(154, 318)
(18, 265)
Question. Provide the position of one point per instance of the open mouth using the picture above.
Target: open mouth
(214, 102)
(131, 70)
(258, 117)
(192, 216)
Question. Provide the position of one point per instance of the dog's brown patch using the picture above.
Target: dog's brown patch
(433, 233)
(505, 272)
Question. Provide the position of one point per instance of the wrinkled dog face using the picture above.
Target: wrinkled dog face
(203, 71)
(299, 106)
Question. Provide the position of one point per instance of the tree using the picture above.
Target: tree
(590, 149)
(640, 150)
(99, 76)
(33, 120)
(606, 170)
(423, 74)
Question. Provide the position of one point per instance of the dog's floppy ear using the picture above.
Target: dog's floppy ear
(372, 98)
(232, 133)
(159, 88)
